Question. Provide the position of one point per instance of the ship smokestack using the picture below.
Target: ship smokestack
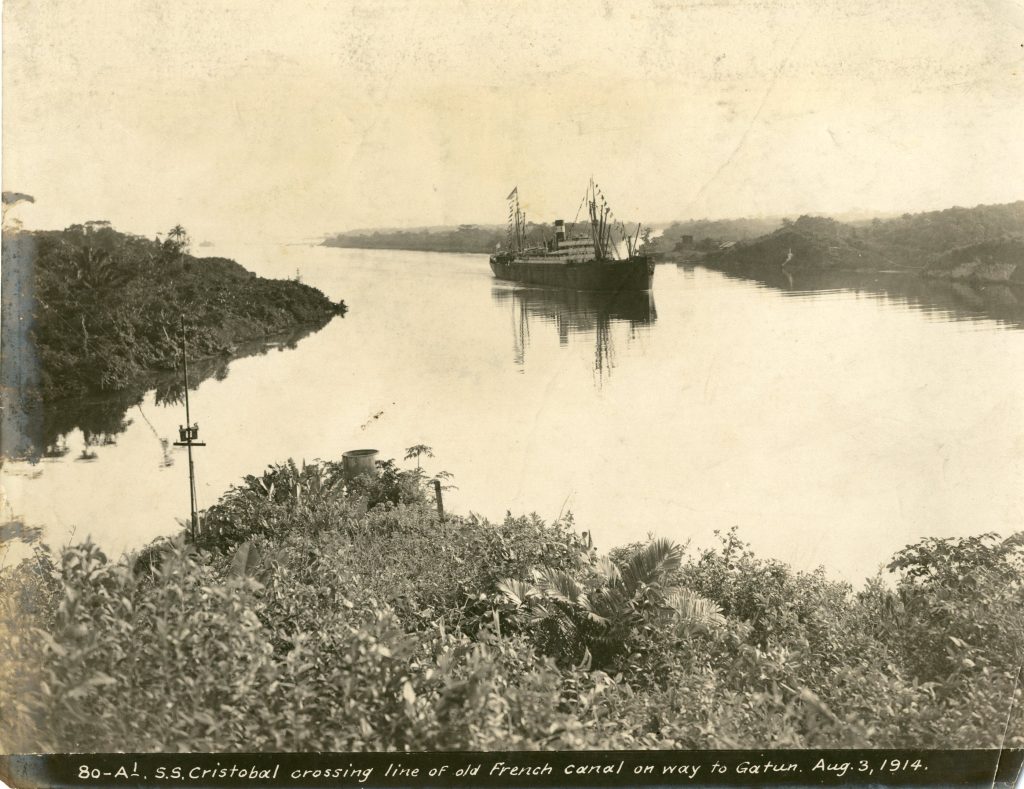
(559, 230)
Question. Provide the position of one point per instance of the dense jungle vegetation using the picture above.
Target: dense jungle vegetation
(315, 615)
(106, 307)
(984, 242)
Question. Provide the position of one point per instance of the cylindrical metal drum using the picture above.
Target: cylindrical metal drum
(359, 461)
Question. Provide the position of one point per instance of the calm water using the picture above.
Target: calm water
(832, 420)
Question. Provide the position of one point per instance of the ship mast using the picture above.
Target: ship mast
(516, 222)
(600, 222)
(595, 229)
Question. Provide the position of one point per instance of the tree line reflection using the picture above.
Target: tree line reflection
(947, 299)
(42, 432)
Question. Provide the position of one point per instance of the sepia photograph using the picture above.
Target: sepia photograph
(446, 377)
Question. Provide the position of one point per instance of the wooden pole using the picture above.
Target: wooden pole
(440, 500)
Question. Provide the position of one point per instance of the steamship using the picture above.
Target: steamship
(588, 260)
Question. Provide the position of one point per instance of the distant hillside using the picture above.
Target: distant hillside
(464, 238)
(809, 242)
(941, 231)
(938, 241)
(718, 229)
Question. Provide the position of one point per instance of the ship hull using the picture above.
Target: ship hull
(636, 273)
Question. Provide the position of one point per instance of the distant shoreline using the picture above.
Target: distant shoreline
(984, 244)
(403, 249)
(479, 239)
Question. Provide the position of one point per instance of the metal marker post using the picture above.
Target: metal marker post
(188, 435)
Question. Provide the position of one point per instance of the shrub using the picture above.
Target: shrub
(307, 621)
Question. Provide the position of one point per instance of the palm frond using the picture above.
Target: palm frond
(517, 592)
(691, 609)
(608, 571)
(560, 586)
(651, 564)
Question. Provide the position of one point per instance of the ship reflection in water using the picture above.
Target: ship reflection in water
(576, 313)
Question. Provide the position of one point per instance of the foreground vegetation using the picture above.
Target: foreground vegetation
(106, 307)
(318, 616)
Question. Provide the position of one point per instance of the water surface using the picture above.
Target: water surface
(834, 419)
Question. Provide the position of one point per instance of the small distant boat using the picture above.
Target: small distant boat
(588, 260)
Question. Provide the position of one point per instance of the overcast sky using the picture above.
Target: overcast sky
(289, 120)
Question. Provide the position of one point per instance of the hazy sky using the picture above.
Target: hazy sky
(292, 119)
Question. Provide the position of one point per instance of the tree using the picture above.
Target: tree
(178, 240)
(416, 451)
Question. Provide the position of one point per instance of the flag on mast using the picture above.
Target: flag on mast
(513, 193)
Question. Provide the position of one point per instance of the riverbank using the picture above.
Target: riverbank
(981, 244)
(315, 615)
(997, 262)
(93, 310)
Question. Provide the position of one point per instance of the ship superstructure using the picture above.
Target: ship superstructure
(588, 259)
